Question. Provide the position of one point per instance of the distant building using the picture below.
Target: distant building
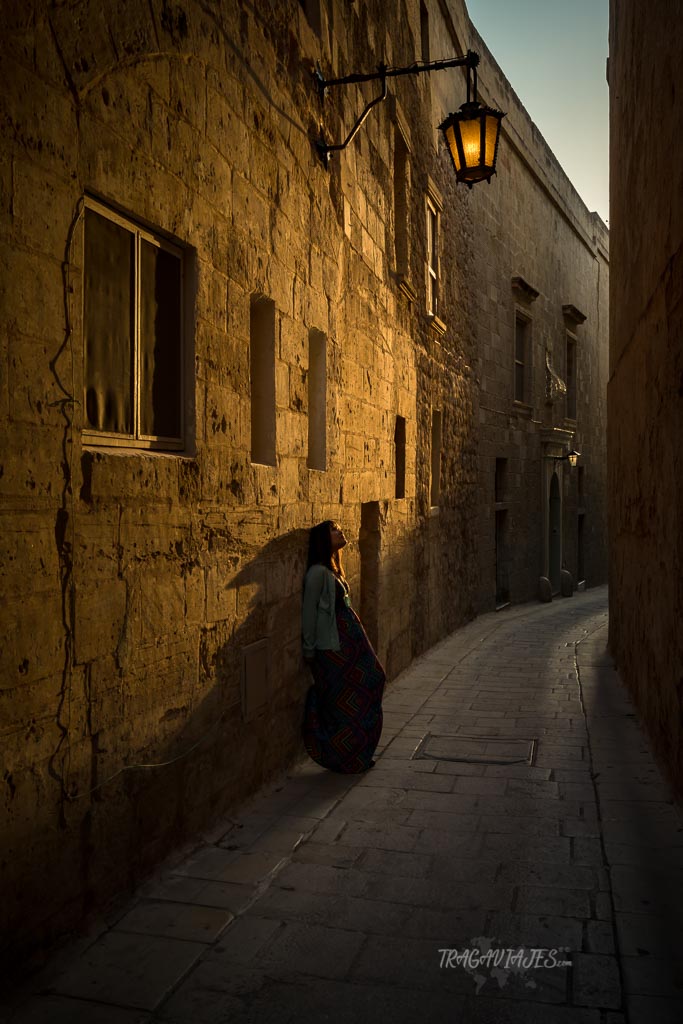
(210, 343)
(646, 369)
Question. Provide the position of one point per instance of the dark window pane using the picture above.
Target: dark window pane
(519, 382)
(108, 325)
(520, 341)
(160, 328)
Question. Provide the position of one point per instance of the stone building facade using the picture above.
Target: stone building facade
(210, 343)
(645, 389)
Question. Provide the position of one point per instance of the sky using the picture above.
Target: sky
(553, 53)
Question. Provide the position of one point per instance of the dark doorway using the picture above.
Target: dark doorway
(580, 567)
(555, 534)
(502, 574)
(369, 545)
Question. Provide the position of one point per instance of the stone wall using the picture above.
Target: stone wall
(646, 369)
(535, 231)
(152, 673)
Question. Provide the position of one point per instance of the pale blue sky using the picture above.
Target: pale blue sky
(553, 53)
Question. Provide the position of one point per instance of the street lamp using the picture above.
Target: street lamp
(571, 457)
(472, 134)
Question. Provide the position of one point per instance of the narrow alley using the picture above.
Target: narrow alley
(515, 807)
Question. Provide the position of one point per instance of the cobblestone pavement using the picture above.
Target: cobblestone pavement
(531, 817)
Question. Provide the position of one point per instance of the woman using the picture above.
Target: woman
(343, 719)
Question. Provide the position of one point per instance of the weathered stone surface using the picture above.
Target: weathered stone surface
(135, 577)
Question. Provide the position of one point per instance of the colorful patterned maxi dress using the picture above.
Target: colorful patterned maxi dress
(343, 717)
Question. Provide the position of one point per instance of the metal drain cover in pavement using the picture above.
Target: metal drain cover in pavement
(477, 749)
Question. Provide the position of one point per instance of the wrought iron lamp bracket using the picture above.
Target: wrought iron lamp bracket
(470, 60)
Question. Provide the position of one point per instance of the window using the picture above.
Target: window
(500, 480)
(432, 257)
(435, 488)
(424, 32)
(401, 193)
(311, 9)
(317, 400)
(521, 381)
(571, 377)
(133, 334)
(262, 374)
(400, 456)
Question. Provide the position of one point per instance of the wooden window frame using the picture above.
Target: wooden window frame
(136, 440)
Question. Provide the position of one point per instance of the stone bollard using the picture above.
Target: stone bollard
(545, 590)
(566, 583)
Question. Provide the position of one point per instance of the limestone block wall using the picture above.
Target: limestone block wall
(646, 371)
(152, 673)
(532, 229)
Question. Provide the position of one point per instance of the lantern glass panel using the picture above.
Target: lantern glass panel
(471, 141)
(491, 134)
(450, 138)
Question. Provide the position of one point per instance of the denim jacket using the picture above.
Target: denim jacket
(319, 620)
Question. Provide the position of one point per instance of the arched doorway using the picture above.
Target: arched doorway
(555, 534)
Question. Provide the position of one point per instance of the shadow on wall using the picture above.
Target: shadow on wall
(245, 721)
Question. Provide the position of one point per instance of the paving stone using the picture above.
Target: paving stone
(559, 876)
(539, 931)
(395, 837)
(176, 920)
(459, 768)
(406, 780)
(231, 896)
(654, 976)
(648, 934)
(298, 947)
(229, 866)
(406, 962)
(280, 839)
(517, 771)
(646, 1009)
(519, 824)
(322, 878)
(244, 940)
(458, 927)
(587, 850)
(645, 857)
(596, 981)
(486, 786)
(483, 1010)
(602, 903)
(392, 862)
(61, 1010)
(454, 824)
(545, 849)
(129, 970)
(460, 844)
(579, 827)
(651, 892)
(210, 994)
(599, 937)
(308, 1000)
(348, 912)
(322, 853)
(573, 903)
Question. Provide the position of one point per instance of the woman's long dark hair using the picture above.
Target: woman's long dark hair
(320, 549)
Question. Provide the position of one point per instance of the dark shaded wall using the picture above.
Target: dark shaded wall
(645, 389)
